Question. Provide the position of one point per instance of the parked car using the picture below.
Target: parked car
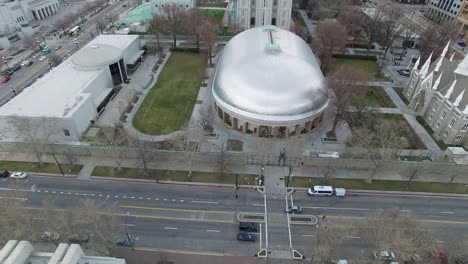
(45, 50)
(295, 209)
(4, 174)
(16, 67)
(35, 55)
(58, 47)
(248, 227)
(50, 236)
(320, 190)
(461, 44)
(78, 238)
(42, 58)
(24, 63)
(125, 242)
(6, 78)
(384, 255)
(30, 63)
(18, 175)
(246, 237)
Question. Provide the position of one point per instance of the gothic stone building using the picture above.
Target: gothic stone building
(436, 92)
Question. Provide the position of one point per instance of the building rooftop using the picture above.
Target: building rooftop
(63, 89)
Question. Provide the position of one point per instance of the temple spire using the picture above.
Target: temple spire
(459, 98)
(450, 90)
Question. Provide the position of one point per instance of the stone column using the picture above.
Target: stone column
(244, 128)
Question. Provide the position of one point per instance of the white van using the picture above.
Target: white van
(319, 190)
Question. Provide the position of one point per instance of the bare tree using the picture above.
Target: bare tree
(294, 152)
(54, 58)
(264, 151)
(390, 230)
(413, 170)
(208, 35)
(224, 159)
(390, 27)
(409, 34)
(382, 140)
(174, 16)
(331, 38)
(371, 26)
(346, 83)
(62, 24)
(116, 140)
(329, 238)
(193, 21)
(314, 9)
(155, 26)
(352, 20)
(101, 24)
(70, 158)
(189, 144)
(145, 159)
(436, 37)
(30, 42)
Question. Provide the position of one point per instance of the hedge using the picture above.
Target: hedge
(194, 50)
(355, 57)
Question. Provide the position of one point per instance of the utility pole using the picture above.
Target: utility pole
(127, 233)
(237, 185)
(58, 164)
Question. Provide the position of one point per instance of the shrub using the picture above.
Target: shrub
(355, 57)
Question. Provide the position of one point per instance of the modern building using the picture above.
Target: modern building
(436, 92)
(158, 5)
(22, 252)
(462, 21)
(62, 105)
(15, 17)
(244, 14)
(268, 83)
(440, 11)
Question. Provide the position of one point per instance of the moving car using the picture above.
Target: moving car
(24, 63)
(46, 50)
(16, 67)
(384, 255)
(19, 175)
(125, 242)
(30, 63)
(42, 58)
(50, 236)
(294, 209)
(248, 227)
(78, 238)
(246, 237)
(320, 190)
(6, 78)
(4, 174)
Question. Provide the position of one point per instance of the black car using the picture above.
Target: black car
(78, 238)
(461, 44)
(248, 227)
(5, 174)
(16, 67)
(125, 242)
(246, 237)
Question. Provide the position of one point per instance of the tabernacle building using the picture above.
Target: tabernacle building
(269, 84)
(63, 104)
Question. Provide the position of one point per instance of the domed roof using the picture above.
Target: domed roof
(97, 55)
(270, 74)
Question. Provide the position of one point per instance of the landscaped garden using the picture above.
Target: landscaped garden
(169, 104)
(170, 175)
(36, 167)
(384, 185)
(375, 97)
(370, 67)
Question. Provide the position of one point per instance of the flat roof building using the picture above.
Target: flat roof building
(62, 105)
(22, 252)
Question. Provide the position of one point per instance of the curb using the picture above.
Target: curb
(192, 184)
(51, 175)
(397, 193)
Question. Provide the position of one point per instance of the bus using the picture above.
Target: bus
(74, 31)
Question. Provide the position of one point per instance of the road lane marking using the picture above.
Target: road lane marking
(53, 191)
(61, 192)
(148, 198)
(353, 237)
(173, 200)
(127, 225)
(405, 210)
(440, 241)
(12, 198)
(215, 231)
(174, 209)
(258, 204)
(447, 212)
(307, 235)
(418, 220)
(336, 208)
(181, 201)
(170, 228)
(205, 202)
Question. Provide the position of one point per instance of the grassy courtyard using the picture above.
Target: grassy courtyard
(370, 67)
(215, 13)
(375, 97)
(168, 106)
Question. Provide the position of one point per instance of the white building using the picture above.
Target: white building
(158, 5)
(67, 100)
(22, 252)
(244, 14)
(437, 92)
(16, 15)
(440, 11)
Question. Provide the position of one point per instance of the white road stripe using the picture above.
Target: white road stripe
(133, 197)
(447, 212)
(69, 193)
(165, 199)
(53, 191)
(353, 237)
(157, 199)
(336, 208)
(11, 198)
(100, 195)
(46, 191)
(170, 228)
(148, 198)
(61, 192)
(116, 196)
(38, 190)
(173, 200)
(440, 241)
(124, 197)
(405, 210)
(258, 204)
(307, 235)
(181, 201)
(141, 198)
(127, 225)
(206, 202)
(10, 189)
(77, 194)
(215, 231)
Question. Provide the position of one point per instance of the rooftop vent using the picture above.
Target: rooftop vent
(272, 48)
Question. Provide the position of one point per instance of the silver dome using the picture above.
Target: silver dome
(269, 74)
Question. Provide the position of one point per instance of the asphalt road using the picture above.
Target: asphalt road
(204, 219)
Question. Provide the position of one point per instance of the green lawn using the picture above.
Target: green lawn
(375, 97)
(168, 106)
(382, 185)
(399, 91)
(34, 167)
(166, 175)
(215, 13)
(370, 67)
(414, 142)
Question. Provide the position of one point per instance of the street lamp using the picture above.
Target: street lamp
(76, 43)
(110, 19)
(38, 43)
(50, 64)
(82, 19)
(6, 63)
(13, 90)
(45, 42)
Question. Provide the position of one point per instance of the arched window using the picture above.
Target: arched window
(273, 21)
